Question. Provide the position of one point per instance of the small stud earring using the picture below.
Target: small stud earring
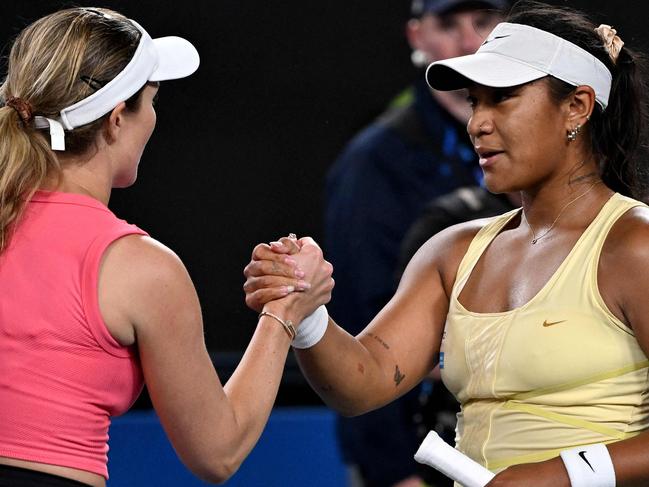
(572, 135)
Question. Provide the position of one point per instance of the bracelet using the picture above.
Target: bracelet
(589, 466)
(312, 328)
(288, 324)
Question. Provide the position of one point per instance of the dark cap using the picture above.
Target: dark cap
(421, 7)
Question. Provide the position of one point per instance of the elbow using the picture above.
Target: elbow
(350, 408)
(351, 412)
(216, 472)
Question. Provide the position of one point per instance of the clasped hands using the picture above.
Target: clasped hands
(289, 276)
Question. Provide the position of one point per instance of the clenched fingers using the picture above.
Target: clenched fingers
(261, 290)
(281, 266)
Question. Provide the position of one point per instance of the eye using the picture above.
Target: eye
(154, 101)
(471, 100)
(500, 96)
(449, 23)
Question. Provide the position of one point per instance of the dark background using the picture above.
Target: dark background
(242, 147)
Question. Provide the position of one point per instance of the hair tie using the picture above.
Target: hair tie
(22, 107)
(612, 43)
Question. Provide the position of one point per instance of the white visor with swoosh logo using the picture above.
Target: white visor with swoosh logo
(160, 59)
(514, 54)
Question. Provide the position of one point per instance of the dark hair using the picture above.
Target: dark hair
(616, 134)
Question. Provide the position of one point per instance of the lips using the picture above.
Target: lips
(488, 156)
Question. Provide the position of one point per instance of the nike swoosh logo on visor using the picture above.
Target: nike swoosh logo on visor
(487, 41)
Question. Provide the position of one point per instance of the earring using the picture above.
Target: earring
(419, 58)
(572, 135)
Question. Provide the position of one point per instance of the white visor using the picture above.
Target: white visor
(514, 54)
(160, 59)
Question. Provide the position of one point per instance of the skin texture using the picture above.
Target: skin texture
(520, 136)
(147, 299)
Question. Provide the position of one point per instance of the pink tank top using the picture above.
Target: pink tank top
(62, 375)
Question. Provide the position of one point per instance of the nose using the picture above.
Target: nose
(479, 124)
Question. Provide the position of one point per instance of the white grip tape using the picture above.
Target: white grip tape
(438, 454)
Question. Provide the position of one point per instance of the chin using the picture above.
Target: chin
(499, 185)
(125, 182)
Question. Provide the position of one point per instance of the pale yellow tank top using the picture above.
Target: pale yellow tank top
(555, 373)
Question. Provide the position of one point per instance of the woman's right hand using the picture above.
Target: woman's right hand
(277, 270)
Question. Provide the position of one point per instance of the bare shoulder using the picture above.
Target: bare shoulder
(444, 251)
(142, 253)
(141, 280)
(627, 244)
(623, 267)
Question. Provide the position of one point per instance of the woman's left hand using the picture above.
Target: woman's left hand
(550, 473)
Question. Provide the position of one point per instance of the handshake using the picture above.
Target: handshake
(290, 280)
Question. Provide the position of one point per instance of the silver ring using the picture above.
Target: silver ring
(292, 235)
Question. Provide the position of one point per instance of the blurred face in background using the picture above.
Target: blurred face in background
(458, 32)
(455, 33)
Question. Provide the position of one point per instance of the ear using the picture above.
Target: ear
(115, 123)
(580, 106)
(413, 33)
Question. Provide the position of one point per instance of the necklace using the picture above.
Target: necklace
(534, 236)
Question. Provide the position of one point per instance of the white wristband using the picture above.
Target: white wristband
(312, 328)
(589, 466)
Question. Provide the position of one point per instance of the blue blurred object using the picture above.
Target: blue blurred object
(298, 448)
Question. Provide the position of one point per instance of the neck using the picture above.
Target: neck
(89, 177)
(564, 204)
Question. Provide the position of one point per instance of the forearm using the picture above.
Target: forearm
(630, 461)
(252, 389)
(628, 458)
(345, 373)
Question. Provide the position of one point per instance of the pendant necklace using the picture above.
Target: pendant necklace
(536, 238)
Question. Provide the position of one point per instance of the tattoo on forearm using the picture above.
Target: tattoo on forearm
(380, 340)
(398, 376)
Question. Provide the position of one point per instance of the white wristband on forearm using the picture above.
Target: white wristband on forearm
(312, 328)
(589, 466)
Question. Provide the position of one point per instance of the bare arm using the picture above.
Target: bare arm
(393, 354)
(400, 346)
(212, 428)
(622, 276)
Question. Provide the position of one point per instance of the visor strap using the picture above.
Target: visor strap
(57, 134)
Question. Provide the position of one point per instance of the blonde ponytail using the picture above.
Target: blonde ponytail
(25, 160)
(49, 68)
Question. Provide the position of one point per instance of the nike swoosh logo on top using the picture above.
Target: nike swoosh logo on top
(547, 323)
(487, 41)
(582, 454)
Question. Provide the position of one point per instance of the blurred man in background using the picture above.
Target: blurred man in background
(414, 152)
